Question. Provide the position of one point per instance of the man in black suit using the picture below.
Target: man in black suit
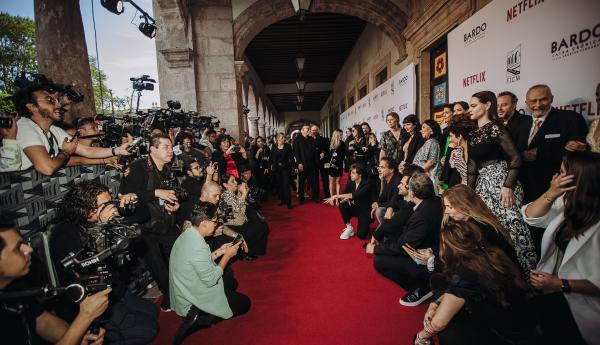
(390, 179)
(422, 230)
(323, 148)
(307, 157)
(513, 120)
(355, 202)
(550, 133)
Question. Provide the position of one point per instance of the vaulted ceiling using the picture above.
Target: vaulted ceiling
(324, 39)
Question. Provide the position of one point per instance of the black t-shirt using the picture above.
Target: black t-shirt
(18, 316)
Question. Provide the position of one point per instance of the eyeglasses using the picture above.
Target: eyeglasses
(49, 99)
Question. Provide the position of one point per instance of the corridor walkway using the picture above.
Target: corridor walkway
(311, 288)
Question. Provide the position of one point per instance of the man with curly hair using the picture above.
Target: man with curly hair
(131, 319)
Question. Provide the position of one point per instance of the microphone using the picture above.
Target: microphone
(74, 293)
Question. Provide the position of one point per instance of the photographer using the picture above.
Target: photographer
(209, 139)
(189, 153)
(192, 184)
(47, 147)
(229, 157)
(196, 279)
(10, 154)
(24, 320)
(130, 318)
(246, 219)
(152, 180)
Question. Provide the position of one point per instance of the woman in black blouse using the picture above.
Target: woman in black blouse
(411, 140)
(282, 162)
(492, 170)
(485, 300)
(357, 148)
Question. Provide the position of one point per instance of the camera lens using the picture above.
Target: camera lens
(6, 122)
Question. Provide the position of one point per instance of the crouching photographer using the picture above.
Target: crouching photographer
(23, 320)
(152, 180)
(90, 245)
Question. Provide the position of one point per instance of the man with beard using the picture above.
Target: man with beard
(45, 146)
(513, 120)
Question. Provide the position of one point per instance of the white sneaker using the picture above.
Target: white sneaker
(348, 232)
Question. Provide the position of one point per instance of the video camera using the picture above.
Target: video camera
(142, 83)
(26, 79)
(102, 241)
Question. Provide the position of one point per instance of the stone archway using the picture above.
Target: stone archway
(385, 15)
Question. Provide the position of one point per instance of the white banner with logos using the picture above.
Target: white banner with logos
(396, 94)
(514, 44)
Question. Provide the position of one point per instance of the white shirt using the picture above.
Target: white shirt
(30, 134)
(579, 261)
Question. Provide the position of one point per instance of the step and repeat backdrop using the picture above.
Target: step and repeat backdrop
(514, 44)
(396, 94)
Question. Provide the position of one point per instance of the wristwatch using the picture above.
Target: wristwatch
(565, 287)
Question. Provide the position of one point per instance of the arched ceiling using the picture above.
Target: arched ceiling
(325, 40)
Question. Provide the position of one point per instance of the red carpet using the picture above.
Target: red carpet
(310, 288)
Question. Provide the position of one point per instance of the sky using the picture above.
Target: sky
(123, 50)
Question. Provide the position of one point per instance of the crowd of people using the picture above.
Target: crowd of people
(493, 214)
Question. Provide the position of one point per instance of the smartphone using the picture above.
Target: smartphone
(236, 240)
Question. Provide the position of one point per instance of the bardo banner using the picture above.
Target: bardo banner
(510, 45)
(396, 94)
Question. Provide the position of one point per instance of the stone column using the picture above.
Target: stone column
(261, 128)
(216, 85)
(240, 72)
(253, 126)
(267, 130)
(61, 50)
(174, 55)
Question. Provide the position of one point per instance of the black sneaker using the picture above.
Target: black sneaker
(415, 297)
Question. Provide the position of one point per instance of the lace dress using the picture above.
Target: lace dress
(488, 172)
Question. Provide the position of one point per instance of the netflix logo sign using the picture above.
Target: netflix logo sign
(474, 79)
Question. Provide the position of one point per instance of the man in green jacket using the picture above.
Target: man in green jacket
(195, 278)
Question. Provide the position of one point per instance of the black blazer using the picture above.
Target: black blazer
(281, 159)
(306, 151)
(518, 127)
(322, 147)
(422, 230)
(361, 197)
(559, 127)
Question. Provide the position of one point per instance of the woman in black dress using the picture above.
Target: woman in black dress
(282, 162)
(336, 156)
(411, 140)
(492, 170)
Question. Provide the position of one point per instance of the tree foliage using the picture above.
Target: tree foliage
(105, 100)
(17, 49)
